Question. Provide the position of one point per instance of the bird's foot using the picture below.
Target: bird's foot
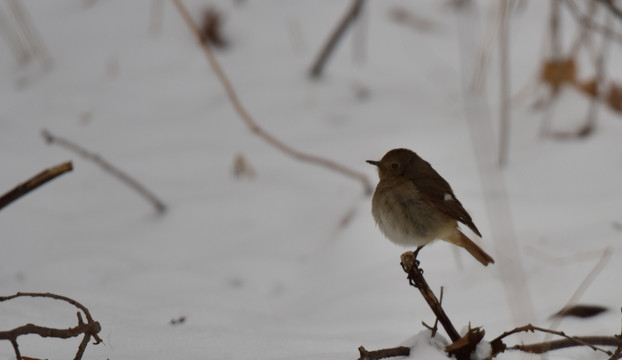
(416, 252)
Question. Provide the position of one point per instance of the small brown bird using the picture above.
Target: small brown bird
(414, 205)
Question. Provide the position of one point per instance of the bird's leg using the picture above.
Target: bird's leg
(411, 266)
(415, 253)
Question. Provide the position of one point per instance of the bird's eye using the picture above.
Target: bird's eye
(395, 165)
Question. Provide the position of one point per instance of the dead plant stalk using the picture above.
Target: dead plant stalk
(108, 167)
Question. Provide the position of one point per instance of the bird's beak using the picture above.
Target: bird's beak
(377, 163)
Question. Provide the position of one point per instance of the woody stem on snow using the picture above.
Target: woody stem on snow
(415, 276)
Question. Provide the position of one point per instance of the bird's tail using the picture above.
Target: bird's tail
(463, 241)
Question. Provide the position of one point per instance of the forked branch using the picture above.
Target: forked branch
(462, 347)
(90, 329)
(589, 22)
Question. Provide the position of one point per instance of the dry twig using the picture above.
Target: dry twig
(589, 278)
(616, 11)
(250, 122)
(461, 347)
(504, 83)
(138, 187)
(618, 353)
(590, 341)
(31, 34)
(383, 353)
(593, 89)
(543, 347)
(348, 18)
(13, 40)
(34, 182)
(410, 265)
(590, 23)
(90, 329)
(434, 328)
(402, 15)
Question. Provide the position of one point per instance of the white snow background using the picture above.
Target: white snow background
(261, 268)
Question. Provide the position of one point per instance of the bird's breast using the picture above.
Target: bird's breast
(404, 217)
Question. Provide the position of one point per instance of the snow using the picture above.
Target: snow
(263, 267)
(424, 346)
(482, 351)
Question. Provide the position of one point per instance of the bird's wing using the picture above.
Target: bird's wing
(438, 193)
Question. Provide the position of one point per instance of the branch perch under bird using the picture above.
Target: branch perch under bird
(461, 348)
(410, 264)
(250, 122)
(108, 167)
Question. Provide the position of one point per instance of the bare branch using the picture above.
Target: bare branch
(383, 353)
(13, 40)
(612, 8)
(410, 265)
(591, 24)
(138, 187)
(589, 278)
(504, 85)
(248, 120)
(16, 349)
(543, 347)
(618, 353)
(434, 328)
(34, 182)
(31, 34)
(86, 312)
(498, 346)
(90, 329)
(327, 50)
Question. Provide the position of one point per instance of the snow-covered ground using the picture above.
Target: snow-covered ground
(264, 267)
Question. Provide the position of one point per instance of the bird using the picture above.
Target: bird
(414, 205)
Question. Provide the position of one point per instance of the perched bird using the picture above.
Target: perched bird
(413, 205)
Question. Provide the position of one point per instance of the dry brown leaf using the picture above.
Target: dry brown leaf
(242, 168)
(211, 28)
(179, 320)
(581, 311)
(466, 345)
(588, 87)
(614, 97)
(556, 73)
